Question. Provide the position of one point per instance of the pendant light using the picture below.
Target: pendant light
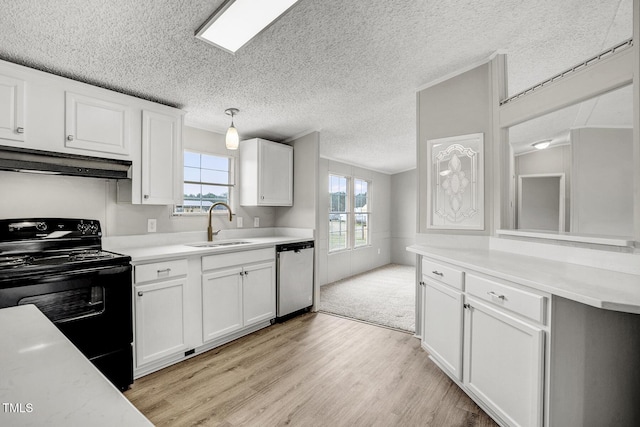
(232, 139)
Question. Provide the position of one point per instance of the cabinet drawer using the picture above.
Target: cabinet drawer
(522, 302)
(160, 270)
(210, 262)
(442, 273)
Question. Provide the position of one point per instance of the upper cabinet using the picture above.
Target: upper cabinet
(11, 108)
(161, 157)
(96, 124)
(45, 112)
(266, 173)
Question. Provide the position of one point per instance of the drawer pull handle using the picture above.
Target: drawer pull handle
(140, 293)
(165, 270)
(437, 273)
(19, 130)
(422, 284)
(494, 295)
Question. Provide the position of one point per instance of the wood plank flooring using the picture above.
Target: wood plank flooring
(313, 370)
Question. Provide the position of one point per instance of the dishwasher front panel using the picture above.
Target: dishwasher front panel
(295, 280)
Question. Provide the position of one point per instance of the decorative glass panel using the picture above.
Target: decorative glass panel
(456, 182)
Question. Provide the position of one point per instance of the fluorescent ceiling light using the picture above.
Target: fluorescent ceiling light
(236, 22)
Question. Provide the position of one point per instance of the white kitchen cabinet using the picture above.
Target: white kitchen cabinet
(12, 108)
(160, 295)
(488, 335)
(442, 325)
(504, 363)
(161, 155)
(222, 303)
(238, 292)
(97, 124)
(266, 173)
(259, 293)
(160, 320)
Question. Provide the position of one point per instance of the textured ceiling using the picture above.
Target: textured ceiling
(348, 69)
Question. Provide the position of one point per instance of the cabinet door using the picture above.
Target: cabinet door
(504, 364)
(259, 287)
(160, 320)
(442, 328)
(96, 125)
(11, 108)
(221, 303)
(275, 180)
(160, 148)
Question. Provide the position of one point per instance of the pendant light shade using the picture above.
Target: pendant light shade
(232, 139)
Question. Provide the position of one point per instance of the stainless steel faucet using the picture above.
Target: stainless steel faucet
(209, 229)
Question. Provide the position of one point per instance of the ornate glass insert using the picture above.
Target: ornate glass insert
(456, 182)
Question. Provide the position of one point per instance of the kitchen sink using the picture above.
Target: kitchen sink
(218, 243)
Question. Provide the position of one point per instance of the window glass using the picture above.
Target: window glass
(361, 216)
(338, 219)
(207, 179)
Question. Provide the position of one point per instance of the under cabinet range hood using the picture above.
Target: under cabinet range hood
(48, 162)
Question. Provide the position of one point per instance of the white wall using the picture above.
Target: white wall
(403, 216)
(338, 265)
(26, 195)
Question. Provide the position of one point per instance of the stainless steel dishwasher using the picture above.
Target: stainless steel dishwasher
(294, 278)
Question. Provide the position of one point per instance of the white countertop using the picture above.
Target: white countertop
(596, 287)
(148, 253)
(54, 384)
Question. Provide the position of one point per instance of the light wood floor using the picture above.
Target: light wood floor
(313, 370)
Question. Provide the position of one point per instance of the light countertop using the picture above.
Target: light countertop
(49, 382)
(596, 287)
(158, 252)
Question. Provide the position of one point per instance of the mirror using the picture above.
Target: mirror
(581, 181)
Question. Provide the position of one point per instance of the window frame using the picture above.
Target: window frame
(231, 185)
(345, 212)
(350, 212)
(367, 213)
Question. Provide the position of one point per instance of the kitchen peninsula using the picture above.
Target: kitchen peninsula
(47, 381)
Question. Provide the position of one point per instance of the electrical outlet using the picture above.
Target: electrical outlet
(239, 222)
(151, 225)
(256, 221)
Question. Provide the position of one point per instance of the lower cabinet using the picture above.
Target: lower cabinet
(490, 338)
(221, 303)
(504, 363)
(160, 320)
(161, 312)
(238, 296)
(442, 328)
(191, 305)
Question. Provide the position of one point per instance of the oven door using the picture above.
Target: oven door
(91, 307)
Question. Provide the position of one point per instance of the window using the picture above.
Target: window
(338, 213)
(349, 213)
(361, 212)
(207, 179)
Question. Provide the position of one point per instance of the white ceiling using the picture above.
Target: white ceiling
(349, 69)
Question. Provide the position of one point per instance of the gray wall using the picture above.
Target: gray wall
(403, 216)
(25, 195)
(602, 197)
(305, 184)
(338, 265)
(458, 106)
(547, 161)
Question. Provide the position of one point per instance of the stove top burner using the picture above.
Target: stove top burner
(14, 261)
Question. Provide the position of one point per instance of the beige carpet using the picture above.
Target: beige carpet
(384, 296)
